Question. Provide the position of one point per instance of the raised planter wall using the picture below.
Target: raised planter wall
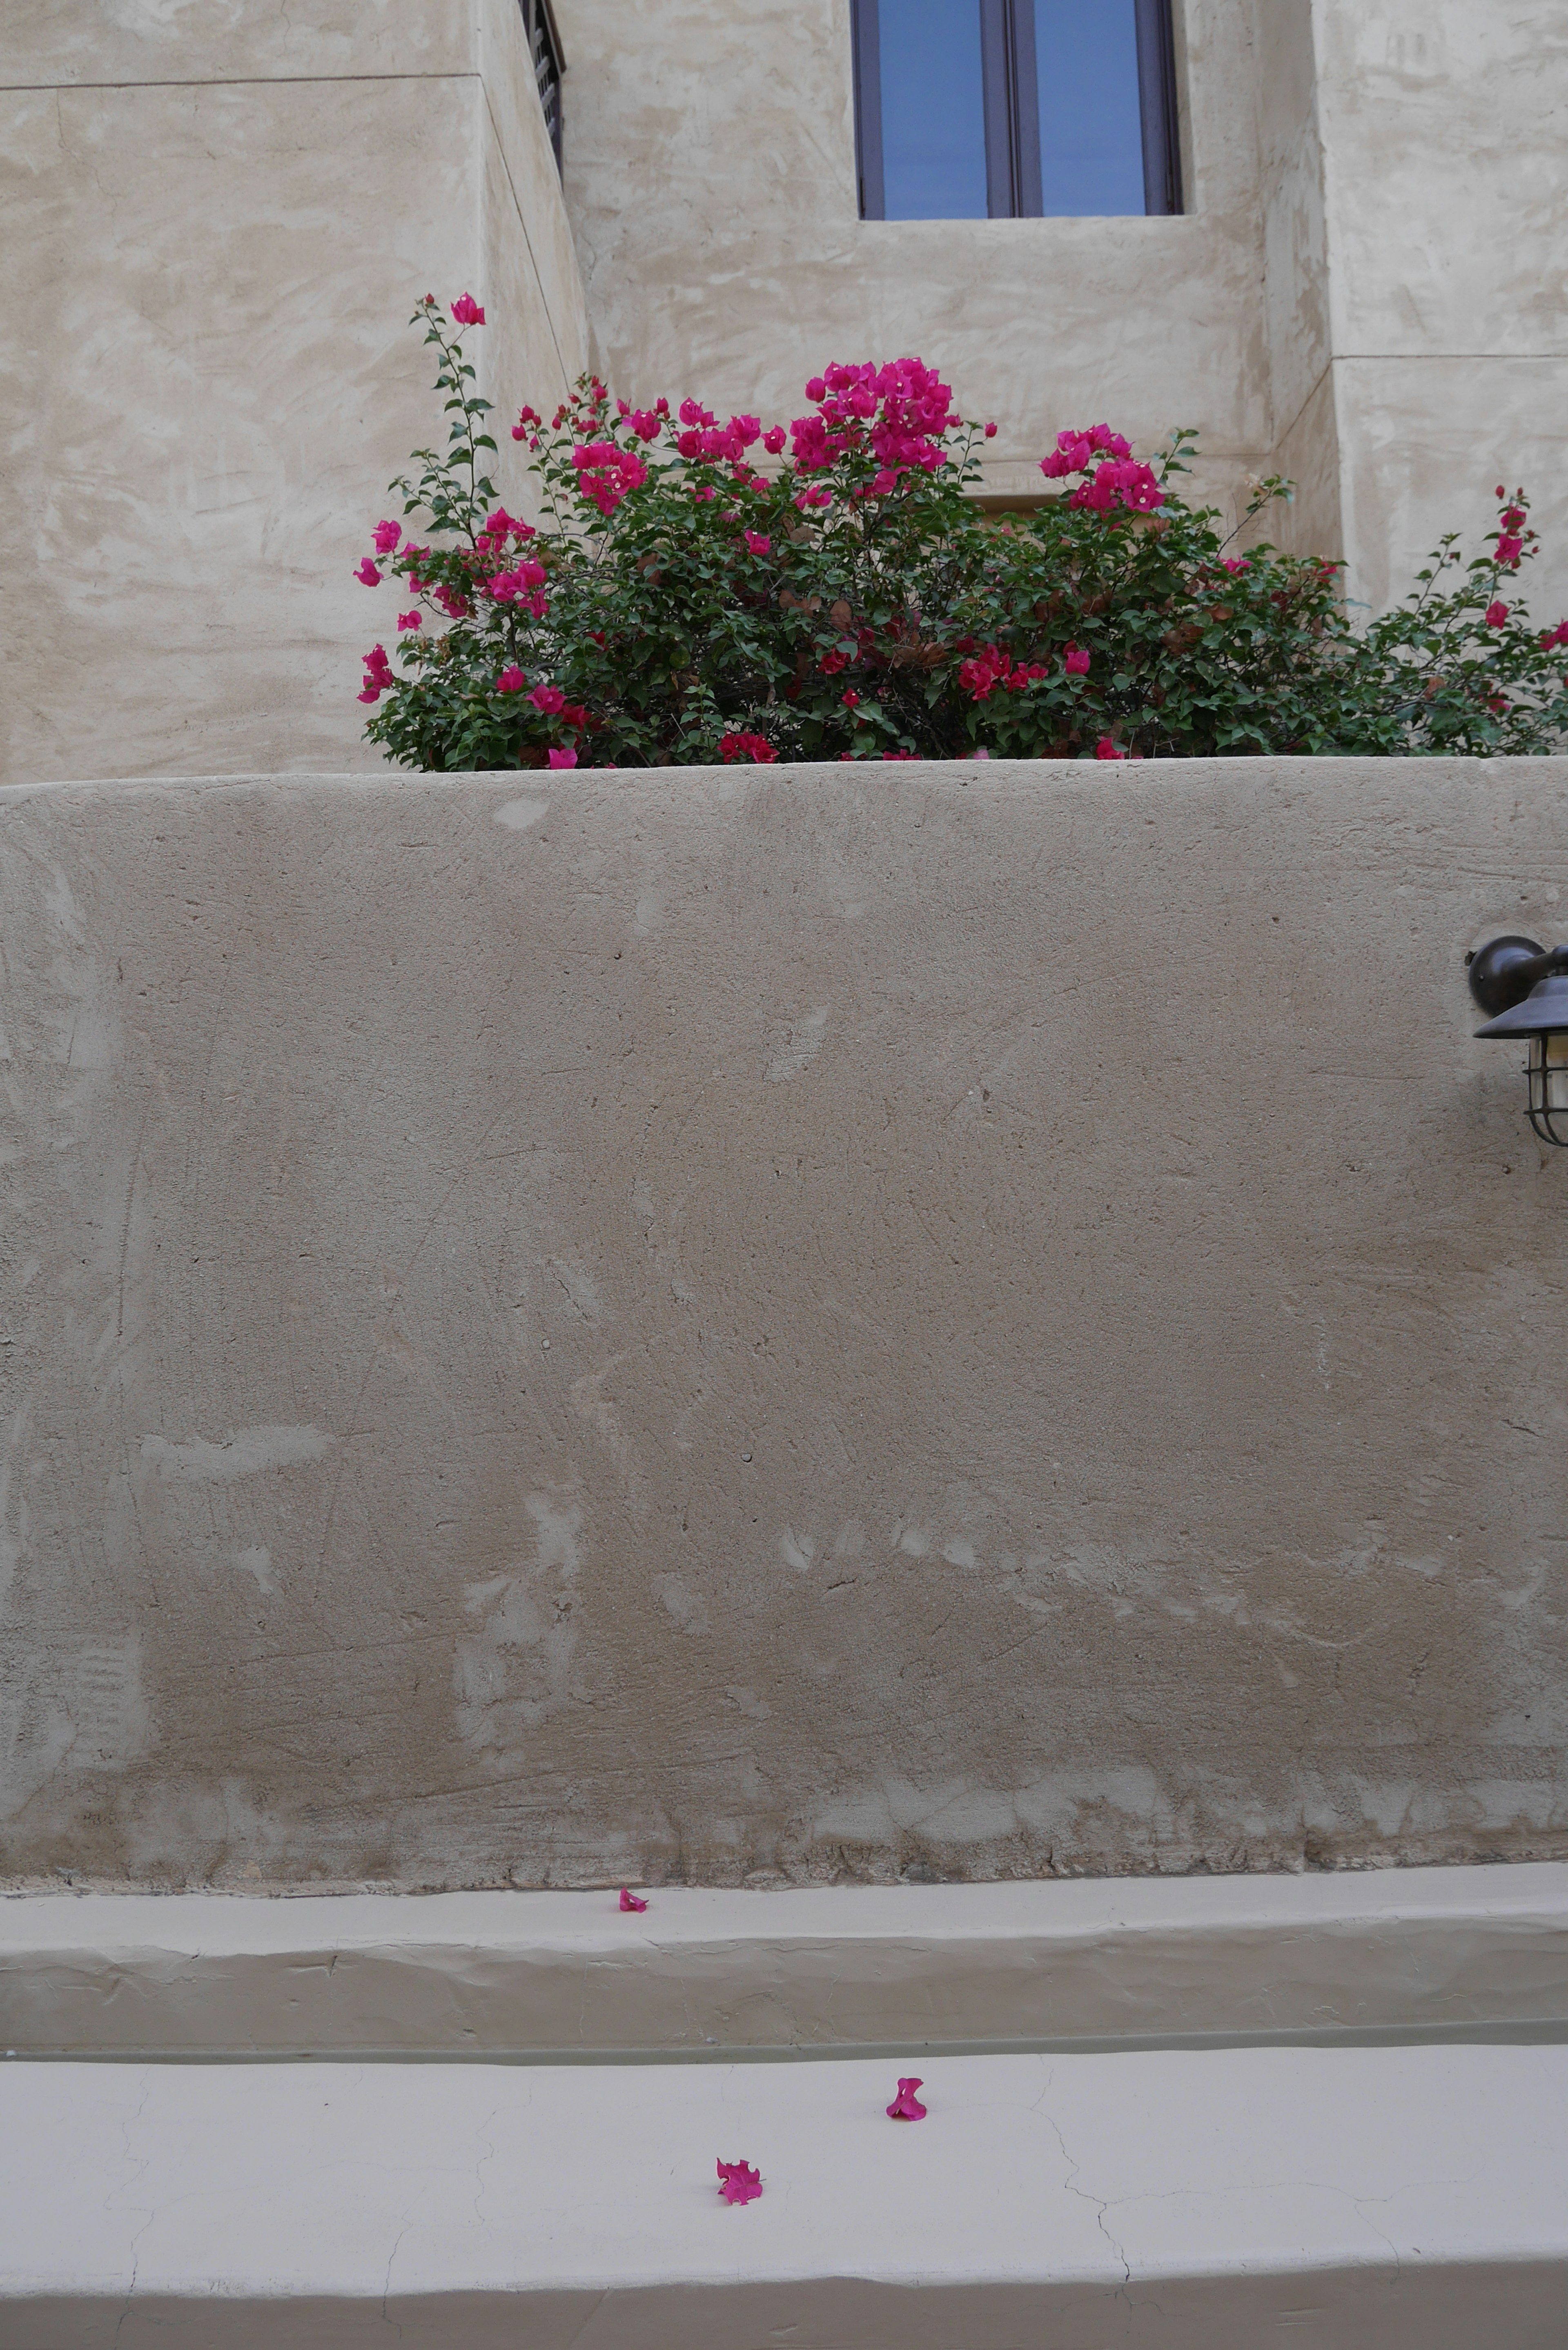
(929, 1322)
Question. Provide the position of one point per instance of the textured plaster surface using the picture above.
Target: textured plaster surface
(1386, 2199)
(219, 220)
(1446, 226)
(1363, 185)
(1400, 1950)
(219, 214)
(710, 180)
(973, 1323)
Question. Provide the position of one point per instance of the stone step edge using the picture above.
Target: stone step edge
(1409, 1952)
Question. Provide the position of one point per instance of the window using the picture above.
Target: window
(976, 109)
(545, 48)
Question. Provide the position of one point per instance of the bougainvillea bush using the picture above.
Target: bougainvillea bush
(696, 592)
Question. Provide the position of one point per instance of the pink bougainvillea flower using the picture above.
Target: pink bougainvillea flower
(548, 698)
(630, 1901)
(1496, 614)
(773, 440)
(991, 431)
(1557, 635)
(758, 541)
(906, 2106)
(738, 749)
(1122, 482)
(563, 758)
(386, 537)
(851, 701)
(1114, 477)
(739, 2183)
(521, 585)
(467, 312)
(410, 621)
(992, 666)
(512, 681)
(1509, 552)
(1105, 749)
(898, 414)
(499, 527)
(369, 574)
(606, 473)
(900, 754)
(1075, 452)
(1234, 563)
(379, 674)
(1076, 661)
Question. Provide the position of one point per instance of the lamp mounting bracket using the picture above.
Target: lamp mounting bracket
(1502, 973)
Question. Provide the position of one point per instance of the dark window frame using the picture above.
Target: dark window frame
(549, 65)
(1007, 53)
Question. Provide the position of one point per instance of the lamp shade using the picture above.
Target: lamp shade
(1542, 1020)
(1545, 1008)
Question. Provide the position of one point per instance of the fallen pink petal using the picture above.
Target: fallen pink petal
(906, 2106)
(739, 2183)
(630, 1901)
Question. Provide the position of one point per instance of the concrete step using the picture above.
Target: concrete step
(1415, 1952)
(1386, 2198)
(1194, 2114)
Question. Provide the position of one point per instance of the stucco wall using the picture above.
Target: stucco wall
(1448, 234)
(1366, 292)
(710, 180)
(218, 220)
(972, 1321)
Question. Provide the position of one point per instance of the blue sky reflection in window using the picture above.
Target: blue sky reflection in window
(1091, 134)
(933, 111)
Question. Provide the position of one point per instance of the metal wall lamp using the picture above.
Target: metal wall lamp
(1524, 987)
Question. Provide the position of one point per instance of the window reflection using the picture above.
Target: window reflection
(933, 111)
(1014, 108)
(1091, 125)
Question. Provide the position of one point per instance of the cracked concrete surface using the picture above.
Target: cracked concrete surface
(1069, 2197)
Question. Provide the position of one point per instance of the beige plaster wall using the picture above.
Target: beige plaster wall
(1366, 291)
(971, 1322)
(218, 220)
(1296, 286)
(1447, 230)
(710, 180)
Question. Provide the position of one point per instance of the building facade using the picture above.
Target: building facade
(221, 219)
